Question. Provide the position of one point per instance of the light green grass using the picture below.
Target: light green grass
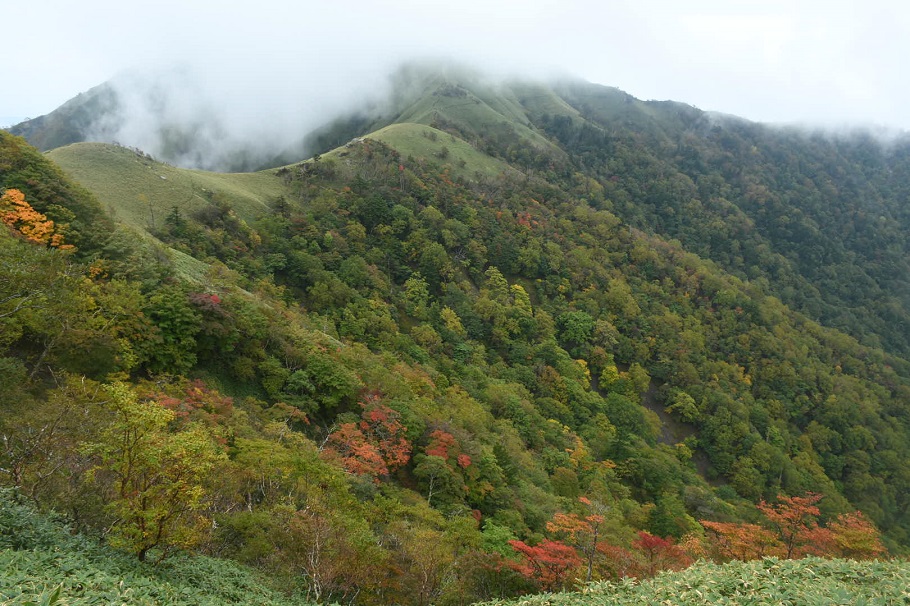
(474, 104)
(475, 113)
(806, 582)
(421, 141)
(539, 100)
(140, 192)
(41, 562)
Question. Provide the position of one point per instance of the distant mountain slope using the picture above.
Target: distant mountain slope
(166, 113)
(78, 119)
(820, 221)
(140, 190)
(822, 218)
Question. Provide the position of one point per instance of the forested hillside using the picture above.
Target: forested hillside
(535, 335)
(815, 219)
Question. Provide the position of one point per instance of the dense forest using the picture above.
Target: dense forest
(654, 337)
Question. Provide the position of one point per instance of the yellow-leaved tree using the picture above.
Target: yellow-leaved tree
(153, 477)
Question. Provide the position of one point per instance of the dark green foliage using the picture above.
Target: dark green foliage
(817, 218)
(46, 188)
(666, 317)
(178, 323)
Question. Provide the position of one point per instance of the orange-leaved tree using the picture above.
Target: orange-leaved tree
(18, 215)
(732, 541)
(854, 536)
(583, 533)
(794, 532)
(795, 519)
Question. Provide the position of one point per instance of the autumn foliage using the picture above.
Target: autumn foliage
(583, 532)
(793, 531)
(656, 554)
(195, 401)
(444, 445)
(854, 536)
(18, 214)
(549, 563)
(729, 541)
(375, 446)
(582, 548)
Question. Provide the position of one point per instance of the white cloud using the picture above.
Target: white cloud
(775, 60)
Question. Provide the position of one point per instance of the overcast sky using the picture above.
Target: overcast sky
(822, 62)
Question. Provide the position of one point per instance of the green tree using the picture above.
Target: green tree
(154, 479)
(575, 330)
(682, 404)
(417, 296)
(178, 323)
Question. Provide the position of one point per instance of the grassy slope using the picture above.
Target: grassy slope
(416, 140)
(537, 100)
(811, 581)
(140, 192)
(479, 108)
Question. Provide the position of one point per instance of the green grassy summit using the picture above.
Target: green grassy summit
(421, 141)
(140, 191)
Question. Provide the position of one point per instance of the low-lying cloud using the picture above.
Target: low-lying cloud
(261, 73)
(220, 119)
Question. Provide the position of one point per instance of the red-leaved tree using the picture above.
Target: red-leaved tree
(549, 563)
(656, 554)
(375, 446)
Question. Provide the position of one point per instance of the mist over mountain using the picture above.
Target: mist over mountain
(208, 120)
(194, 118)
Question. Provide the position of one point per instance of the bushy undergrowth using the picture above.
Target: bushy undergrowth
(41, 562)
(805, 582)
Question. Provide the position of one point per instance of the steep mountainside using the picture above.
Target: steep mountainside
(76, 120)
(517, 323)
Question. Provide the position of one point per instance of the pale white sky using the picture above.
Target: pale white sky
(825, 62)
